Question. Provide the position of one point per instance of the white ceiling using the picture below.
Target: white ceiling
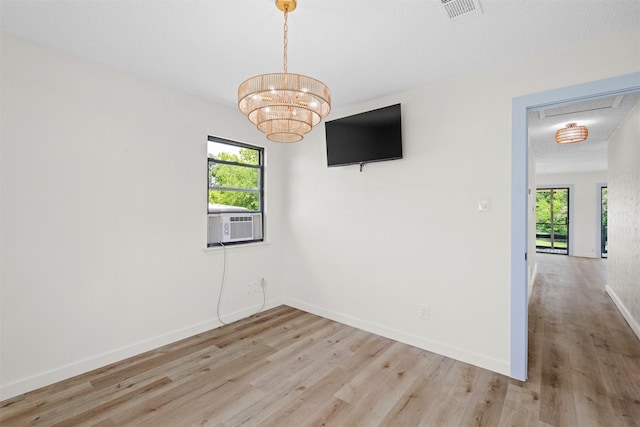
(601, 116)
(362, 49)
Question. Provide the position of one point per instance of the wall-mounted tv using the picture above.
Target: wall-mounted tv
(372, 136)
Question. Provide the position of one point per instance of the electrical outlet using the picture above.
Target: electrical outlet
(423, 312)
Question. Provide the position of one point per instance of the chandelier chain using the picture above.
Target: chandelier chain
(286, 40)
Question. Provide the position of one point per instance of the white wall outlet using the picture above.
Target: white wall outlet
(252, 288)
(423, 312)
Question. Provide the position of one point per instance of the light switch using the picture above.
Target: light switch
(484, 204)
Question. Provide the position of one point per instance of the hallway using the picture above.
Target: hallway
(584, 359)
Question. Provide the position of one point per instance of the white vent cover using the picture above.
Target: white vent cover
(457, 10)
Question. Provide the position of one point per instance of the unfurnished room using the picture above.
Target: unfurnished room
(320, 213)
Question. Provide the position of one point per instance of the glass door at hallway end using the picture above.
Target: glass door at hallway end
(552, 220)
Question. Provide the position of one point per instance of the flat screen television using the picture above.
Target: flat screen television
(372, 136)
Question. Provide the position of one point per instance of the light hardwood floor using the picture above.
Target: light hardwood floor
(285, 367)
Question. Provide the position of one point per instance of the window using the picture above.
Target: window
(235, 199)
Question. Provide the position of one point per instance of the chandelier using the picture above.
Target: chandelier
(285, 106)
(572, 133)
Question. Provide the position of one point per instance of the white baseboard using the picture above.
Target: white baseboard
(43, 379)
(635, 326)
(482, 361)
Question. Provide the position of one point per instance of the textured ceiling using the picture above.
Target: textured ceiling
(601, 116)
(362, 49)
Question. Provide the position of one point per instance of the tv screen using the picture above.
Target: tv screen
(372, 136)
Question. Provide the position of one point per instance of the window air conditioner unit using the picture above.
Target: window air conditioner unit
(236, 227)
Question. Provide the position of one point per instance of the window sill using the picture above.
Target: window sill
(236, 246)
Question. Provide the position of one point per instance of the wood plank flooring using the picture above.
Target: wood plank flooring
(285, 367)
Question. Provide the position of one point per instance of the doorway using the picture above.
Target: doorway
(519, 197)
(552, 220)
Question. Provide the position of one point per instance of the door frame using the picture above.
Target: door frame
(519, 196)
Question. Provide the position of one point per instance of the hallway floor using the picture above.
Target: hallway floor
(583, 357)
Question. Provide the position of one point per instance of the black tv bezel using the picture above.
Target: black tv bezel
(363, 162)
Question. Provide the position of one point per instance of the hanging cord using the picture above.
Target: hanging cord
(224, 274)
(286, 40)
(264, 297)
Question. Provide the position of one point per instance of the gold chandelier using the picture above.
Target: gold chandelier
(284, 106)
(572, 133)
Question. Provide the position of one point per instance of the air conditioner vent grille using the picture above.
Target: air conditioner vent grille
(457, 10)
(237, 227)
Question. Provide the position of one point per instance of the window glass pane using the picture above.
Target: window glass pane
(543, 218)
(232, 176)
(232, 153)
(233, 201)
(560, 236)
(560, 206)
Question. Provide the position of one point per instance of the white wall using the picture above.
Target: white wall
(584, 212)
(103, 220)
(104, 217)
(368, 248)
(624, 218)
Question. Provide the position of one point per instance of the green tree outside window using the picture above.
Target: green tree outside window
(236, 184)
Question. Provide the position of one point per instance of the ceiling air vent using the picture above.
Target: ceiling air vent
(458, 10)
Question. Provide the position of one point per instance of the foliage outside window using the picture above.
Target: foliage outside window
(235, 176)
